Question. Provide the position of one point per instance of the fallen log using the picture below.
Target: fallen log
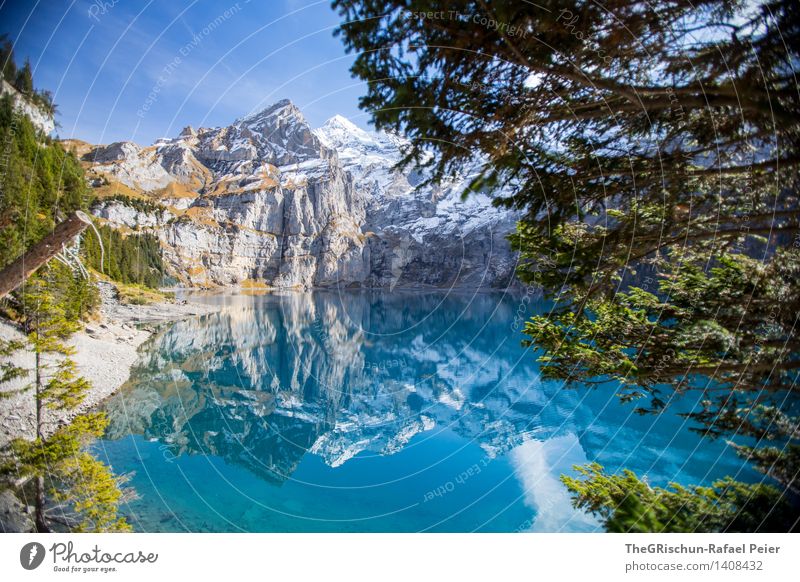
(26, 265)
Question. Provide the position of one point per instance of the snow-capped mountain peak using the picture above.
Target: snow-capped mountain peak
(357, 147)
(340, 133)
(341, 122)
(283, 110)
(269, 199)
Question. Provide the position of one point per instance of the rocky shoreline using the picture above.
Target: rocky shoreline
(105, 351)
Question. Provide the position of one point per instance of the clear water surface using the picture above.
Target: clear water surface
(357, 411)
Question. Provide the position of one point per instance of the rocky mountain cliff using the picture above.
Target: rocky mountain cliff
(269, 201)
(40, 118)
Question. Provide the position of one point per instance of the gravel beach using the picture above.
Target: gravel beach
(105, 351)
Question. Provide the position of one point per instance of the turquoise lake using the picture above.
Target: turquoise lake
(384, 412)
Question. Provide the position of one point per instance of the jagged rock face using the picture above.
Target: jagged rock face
(290, 237)
(278, 135)
(14, 516)
(421, 236)
(137, 168)
(269, 199)
(38, 117)
(119, 214)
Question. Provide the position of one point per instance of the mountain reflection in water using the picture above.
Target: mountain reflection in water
(356, 411)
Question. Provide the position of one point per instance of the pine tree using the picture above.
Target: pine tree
(24, 81)
(652, 149)
(135, 258)
(624, 503)
(41, 183)
(70, 487)
(7, 63)
(83, 495)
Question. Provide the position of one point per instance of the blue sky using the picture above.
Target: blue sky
(142, 69)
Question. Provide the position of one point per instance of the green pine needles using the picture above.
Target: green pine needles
(652, 150)
(70, 489)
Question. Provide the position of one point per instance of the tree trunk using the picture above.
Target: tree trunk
(39, 518)
(24, 266)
